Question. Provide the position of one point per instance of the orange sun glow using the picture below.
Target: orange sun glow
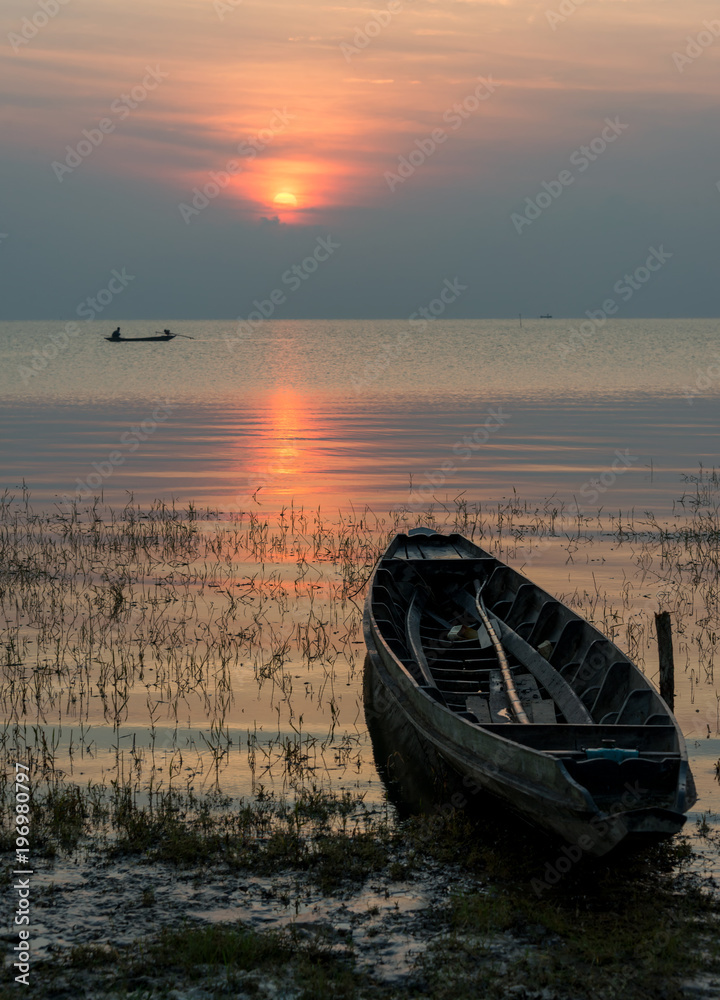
(286, 199)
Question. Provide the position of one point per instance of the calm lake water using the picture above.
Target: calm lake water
(354, 412)
(345, 414)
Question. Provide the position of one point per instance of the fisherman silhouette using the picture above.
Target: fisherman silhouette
(116, 334)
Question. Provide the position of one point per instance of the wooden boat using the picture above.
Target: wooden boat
(521, 696)
(137, 340)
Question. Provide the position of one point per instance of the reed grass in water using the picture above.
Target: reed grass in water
(171, 646)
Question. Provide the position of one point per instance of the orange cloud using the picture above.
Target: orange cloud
(233, 72)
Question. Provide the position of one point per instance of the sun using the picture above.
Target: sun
(285, 198)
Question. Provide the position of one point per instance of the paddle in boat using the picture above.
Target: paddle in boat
(520, 696)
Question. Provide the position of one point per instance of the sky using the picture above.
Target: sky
(359, 156)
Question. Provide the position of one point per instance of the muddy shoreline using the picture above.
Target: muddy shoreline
(419, 909)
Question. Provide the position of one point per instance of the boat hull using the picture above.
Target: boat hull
(138, 340)
(536, 784)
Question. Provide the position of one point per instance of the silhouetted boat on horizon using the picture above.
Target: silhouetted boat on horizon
(137, 340)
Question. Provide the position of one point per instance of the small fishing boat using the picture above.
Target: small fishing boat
(522, 697)
(137, 340)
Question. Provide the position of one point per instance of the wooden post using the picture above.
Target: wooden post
(665, 655)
